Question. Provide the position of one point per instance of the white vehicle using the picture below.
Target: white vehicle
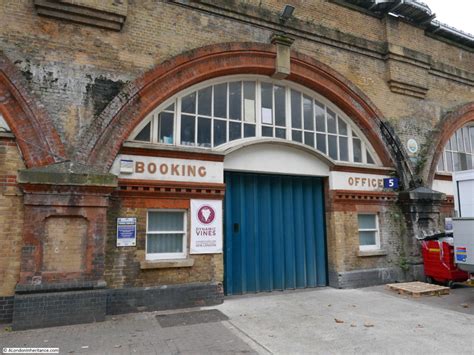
(463, 223)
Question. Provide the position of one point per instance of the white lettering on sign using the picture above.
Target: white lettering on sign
(339, 180)
(157, 168)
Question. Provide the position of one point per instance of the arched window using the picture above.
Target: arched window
(458, 154)
(215, 114)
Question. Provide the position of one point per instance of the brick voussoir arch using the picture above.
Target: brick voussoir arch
(36, 136)
(444, 131)
(102, 141)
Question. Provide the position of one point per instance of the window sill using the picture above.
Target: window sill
(165, 264)
(366, 253)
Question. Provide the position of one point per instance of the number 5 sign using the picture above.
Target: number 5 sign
(390, 183)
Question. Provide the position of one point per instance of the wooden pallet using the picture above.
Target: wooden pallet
(417, 289)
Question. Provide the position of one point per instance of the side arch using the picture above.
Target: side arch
(444, 131)
(36, 136)
(102, 141)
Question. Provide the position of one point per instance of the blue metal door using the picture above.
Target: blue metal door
(274, 233)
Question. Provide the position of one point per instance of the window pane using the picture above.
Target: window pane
(331, 122)
(249, 130)
(204, 132)
(456, 162)
(342, 127)
(295, 109)
(321, 142)
(469, 162)
(449, 161)
(267, 103)
(366, 221)
(367, 238)
(463, 160)
(280, 133)
(465, 135)
(205, 101)
(309, 139)
(308, 113)
(320, 117)
(453, 143)
(144, 134)
(249, 101)
(187, 130)
(165, 221)
(370, 160)
(235, 131)
(164, 243)
(471, 131)
(267, 131)
(235, 100)
(165, 129)
(280, 98)
(170, 108)
(357, 148)
(220, 100)
(220, 132)
(297, 136)
(188, 103)
(267, 95)
(459, 140)
(343, 149)
(332, 147)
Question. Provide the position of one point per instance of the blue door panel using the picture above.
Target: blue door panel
(274, 233)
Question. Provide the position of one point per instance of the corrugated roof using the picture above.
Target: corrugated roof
(416, 12)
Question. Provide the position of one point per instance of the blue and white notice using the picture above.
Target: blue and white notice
(126, 232)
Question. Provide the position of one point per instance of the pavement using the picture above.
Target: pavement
(314, 321)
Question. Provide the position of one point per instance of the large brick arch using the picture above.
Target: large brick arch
(35, 134)
(445, 129)
(102, 141)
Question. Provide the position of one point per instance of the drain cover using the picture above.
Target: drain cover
(189, 318)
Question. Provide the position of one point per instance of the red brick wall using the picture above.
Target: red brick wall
(11, 216)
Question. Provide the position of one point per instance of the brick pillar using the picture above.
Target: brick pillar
(422, 211)
(63, 248)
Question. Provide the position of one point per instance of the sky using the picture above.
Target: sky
(455, 13)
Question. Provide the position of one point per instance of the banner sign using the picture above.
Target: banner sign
(126, 232)
(206, 227)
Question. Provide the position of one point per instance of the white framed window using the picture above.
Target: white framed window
(218, 112)
(458, 154)
(166, 234)
(369, 234)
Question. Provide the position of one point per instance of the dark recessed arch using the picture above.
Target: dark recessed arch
(102, 141)
(36, 136)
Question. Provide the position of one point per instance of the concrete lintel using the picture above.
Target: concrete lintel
(421, 194)
(283, 55)
(66, 173)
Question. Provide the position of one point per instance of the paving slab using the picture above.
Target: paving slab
(138, 333)
(360, 321)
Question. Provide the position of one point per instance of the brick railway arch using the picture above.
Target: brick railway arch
(101, 142)
(450, 123)
(35, 133)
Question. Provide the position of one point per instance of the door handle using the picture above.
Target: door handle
(236, 227)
